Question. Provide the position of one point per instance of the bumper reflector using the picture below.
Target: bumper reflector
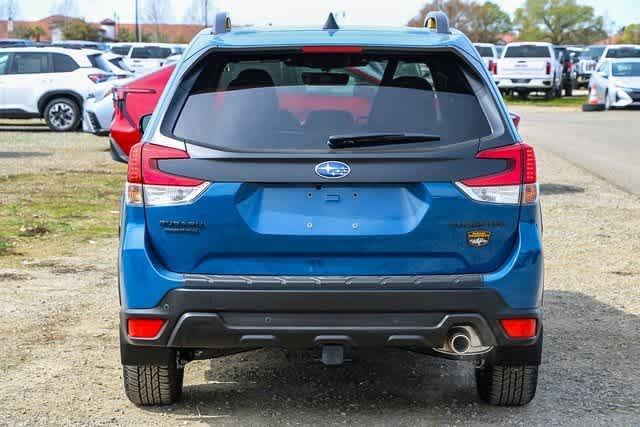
(519, 328)
(144, 328)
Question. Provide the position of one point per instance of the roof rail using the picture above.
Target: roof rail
(331, 23)
(437, 21)
(222, 23)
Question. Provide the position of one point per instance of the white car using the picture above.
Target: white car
(489, 55)
(593, 55)
(529, 67)
(146, 57)
(615, 84)
(98, 107)
(118, 66)
(49, 83)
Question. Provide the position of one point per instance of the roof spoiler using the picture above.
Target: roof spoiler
(222, 23)
(437, 21)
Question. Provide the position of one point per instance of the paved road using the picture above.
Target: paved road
(605, 143)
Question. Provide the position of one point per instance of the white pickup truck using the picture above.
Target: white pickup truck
(529, 67)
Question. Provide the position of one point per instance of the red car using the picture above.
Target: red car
(133, 101)
(139, 98)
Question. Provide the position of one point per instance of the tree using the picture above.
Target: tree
(64, 8)
(78, 29)
(481, 22)
(155, 12)
(124, 35)
(489, 22)
(195, 13)
(630, 34)
(23, 32)
(458, 11)
(559, 22)
(9, 9)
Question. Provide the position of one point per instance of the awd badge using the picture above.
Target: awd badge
(478, 238)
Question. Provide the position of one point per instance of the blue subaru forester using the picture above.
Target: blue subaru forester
(331, 189)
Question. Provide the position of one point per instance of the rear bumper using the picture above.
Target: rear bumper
(531, 83)
(218, 319)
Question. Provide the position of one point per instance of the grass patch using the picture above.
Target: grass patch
(565, 101)
(54, 213)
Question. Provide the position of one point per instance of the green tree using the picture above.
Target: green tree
(480, 21)
(559, 22)
(37, 32)
(124, 35)
(630, 34)
(78, 29)
(488, 23)
(23, 32)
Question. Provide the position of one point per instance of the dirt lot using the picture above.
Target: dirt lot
(58, 319)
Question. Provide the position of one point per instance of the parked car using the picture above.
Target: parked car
(615, 84)
(121, 49)
(50, 83)
(144, 58)
(15, 43)
(376, 219)
(81, 44)
(529, 67)
(565, 56)
(132, 101)
(98, 109)
(587, 61)
(489, 55)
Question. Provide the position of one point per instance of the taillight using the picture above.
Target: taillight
(148, 185)
(520, 328)
(516, 184)
(548, 69)
(99, 77)
(144, 328)
(493, 66)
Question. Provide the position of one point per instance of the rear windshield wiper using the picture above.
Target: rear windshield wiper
(377, 139)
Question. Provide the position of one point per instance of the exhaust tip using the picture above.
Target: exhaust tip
(460, 342)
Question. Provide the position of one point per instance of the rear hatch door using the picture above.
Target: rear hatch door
(282, 201)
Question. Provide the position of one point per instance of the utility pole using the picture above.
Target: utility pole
(137, 24)
(206, 13)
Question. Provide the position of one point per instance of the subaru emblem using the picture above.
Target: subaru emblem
(332, 169)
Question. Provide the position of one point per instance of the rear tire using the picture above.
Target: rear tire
(507, 385)
(151, 385)
(62, 115)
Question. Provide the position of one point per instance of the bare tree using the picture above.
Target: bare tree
(156, 12)
(9, 9)
(64, 8)
(200, 12)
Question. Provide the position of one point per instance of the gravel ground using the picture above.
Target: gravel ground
(60, 361)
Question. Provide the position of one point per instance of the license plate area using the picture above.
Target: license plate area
(333, 210)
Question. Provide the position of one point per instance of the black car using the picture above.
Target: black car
(568, 56)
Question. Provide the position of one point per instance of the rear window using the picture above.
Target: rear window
(297, 102)
(119, 62)
(624, 52)
(593, 53)
(121, 50)
(63, 63)
(98, 61)
(485, 51)
(150, 52)
(527, 51)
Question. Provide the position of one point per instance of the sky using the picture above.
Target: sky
(303, 12)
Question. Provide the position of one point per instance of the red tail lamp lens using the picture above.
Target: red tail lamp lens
(519, 328)
(144, 327)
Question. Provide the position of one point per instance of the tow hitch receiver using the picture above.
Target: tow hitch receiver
(332, 355)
